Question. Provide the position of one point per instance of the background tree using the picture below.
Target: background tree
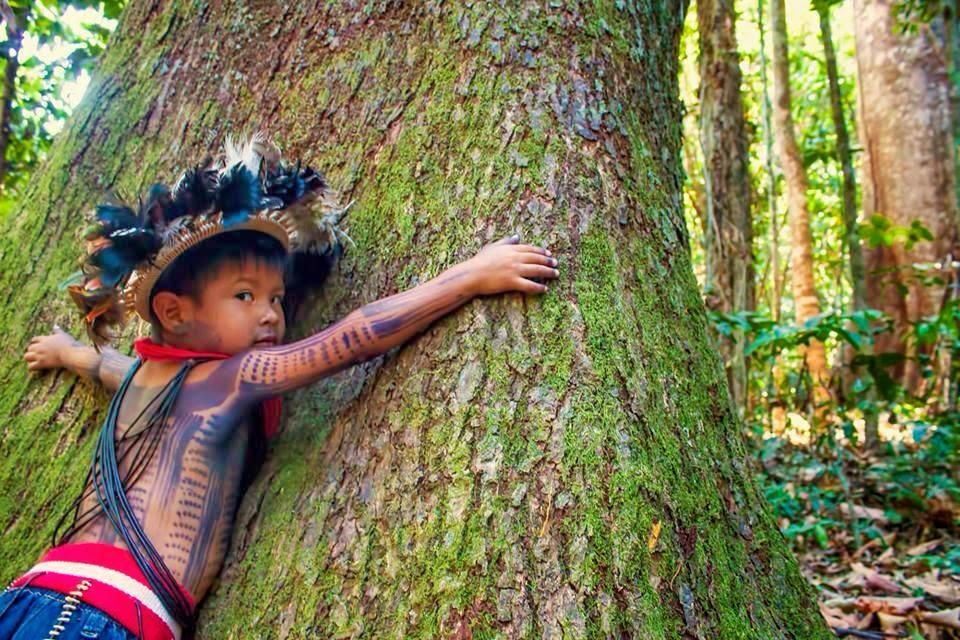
(729, 282)
(844, 157)
(908, 174)
(806, 302)
(568, 466)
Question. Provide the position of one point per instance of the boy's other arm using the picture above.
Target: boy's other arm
(61, 350)
(378, 327)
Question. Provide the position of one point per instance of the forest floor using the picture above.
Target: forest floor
(876, 534)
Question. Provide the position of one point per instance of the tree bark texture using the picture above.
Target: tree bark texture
(728, 224)
(11, 65)
(858, 285)
(556, 467)
(844, 157)
(806, 303)
(776, 281)
(908, 164)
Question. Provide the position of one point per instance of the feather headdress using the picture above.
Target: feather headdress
(252, 188)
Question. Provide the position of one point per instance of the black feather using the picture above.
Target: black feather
(238, 194)
(194, 192)
(291, 183)
(155, 210)
(113, 217)
(126, 249)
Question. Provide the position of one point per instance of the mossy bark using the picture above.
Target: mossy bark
(556, 467)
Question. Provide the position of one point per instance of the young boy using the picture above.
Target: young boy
(204, 264)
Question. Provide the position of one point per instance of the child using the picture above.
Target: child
(204, 265)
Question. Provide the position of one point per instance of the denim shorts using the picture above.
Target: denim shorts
(29, 613)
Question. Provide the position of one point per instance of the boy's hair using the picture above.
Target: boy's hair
(192, 270)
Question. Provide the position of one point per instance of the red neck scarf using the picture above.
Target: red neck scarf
(147, 349)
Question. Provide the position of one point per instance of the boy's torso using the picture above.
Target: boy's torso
(185, 498)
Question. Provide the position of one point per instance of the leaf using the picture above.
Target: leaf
(887, 604)
(654, 536)
(865, 513)
(820, 533)
(947, 618)
(836, 618)
(924, 547)
(941, 589)
(875, 580)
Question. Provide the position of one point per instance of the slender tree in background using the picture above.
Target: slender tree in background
(776, 280)
(565, 467)
(806, 303)
(729, 227)
(844, 157)
(14, 21)
(858, 285)
(906, 130)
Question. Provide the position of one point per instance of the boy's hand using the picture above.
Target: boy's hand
(46, 352)
(507, 265)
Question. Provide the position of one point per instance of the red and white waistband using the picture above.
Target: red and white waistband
(118, 587)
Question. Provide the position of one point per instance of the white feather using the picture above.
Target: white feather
(248, 154)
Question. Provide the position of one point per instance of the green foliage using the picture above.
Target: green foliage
(912, 14)
(61, 42)
(880, 231)
(902, 487)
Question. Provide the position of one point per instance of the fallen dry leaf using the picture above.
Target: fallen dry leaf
(836, 618)
(875, 580)
(945, 590)
(654, 536)
(890, 605)
(924, 547)
(948, 618)
(890, 622)
(866, 513)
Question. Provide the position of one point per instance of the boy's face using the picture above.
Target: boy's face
(238, 308)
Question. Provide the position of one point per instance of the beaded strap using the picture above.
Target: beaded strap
(69, 607)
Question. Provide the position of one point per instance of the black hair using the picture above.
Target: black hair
(196, 266)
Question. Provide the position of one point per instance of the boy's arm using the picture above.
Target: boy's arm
(61, 350)
(378, 327)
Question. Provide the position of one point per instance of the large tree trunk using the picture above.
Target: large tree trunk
(729, 226)
(908, 164)
(806, 303)
(557, 467)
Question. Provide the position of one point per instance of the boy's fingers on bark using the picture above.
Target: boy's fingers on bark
(538, 258)
(537, 271)
(529, 286)
(529, 248)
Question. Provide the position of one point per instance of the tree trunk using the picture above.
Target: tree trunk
(805, 300)
(858, 296)
(908, 165)
(844, 157)
(729, 226)
(558, 467)
(776, 284)
(11, 65)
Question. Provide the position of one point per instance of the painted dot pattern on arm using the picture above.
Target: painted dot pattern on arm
(366, 333)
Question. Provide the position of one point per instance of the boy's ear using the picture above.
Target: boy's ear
(172, 311)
